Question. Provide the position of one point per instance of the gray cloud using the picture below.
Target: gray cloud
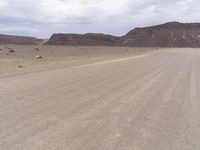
(44, 17)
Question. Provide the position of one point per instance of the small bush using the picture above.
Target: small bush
(11, 50)
(20, 66)
(37, 49)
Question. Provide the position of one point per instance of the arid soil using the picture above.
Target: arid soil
(15, 59)
(145, 101)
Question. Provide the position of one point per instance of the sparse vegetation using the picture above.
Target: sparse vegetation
(20, 66)
(11, 50)
(36, 49)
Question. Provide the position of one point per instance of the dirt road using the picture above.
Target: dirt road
(150, 102)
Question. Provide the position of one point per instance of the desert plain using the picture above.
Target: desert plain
(16, 59)
(99, 98)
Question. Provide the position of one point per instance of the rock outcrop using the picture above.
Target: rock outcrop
(172, 34)
(89, 39)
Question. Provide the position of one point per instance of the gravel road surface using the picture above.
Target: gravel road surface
(150, 102)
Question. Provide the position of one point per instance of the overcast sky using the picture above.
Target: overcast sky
(41, 18)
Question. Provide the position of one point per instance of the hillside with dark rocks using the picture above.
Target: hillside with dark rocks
(89, 39)
(19, 40)
(172, 34)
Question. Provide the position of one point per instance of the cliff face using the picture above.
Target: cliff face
(23, 40)
(89, 39)
(172, 34)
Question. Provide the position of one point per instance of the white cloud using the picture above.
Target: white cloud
(43, 17)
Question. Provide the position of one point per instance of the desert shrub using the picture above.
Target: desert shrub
(11, 50)
(37, 49)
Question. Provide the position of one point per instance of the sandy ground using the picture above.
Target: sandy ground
(144, 102)
(23, 58)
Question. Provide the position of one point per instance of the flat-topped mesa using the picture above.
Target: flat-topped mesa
(20, 40)
(89, 39)
(171, 34)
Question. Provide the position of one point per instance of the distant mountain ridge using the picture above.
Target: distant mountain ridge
(21, 40)
(171, 34)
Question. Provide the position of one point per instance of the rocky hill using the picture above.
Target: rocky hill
(172, 34)
(21, 40)
(89, 39)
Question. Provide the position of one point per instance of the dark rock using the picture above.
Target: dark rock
(89, 39)
(38, 57)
